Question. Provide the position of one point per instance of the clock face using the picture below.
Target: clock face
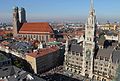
(88, 53)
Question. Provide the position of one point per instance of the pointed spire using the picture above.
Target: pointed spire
(91, 5)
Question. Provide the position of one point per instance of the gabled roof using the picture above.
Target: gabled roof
(43, 52)
(105, 52)
(8, 71)
(36, 28)
(76, 48)
(16, 74)
(116, 56)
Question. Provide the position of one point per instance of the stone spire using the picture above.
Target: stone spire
(91, 5)
(89, 43)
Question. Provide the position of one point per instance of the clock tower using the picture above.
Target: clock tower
(89, 42)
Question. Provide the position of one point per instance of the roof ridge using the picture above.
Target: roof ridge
(35, 22)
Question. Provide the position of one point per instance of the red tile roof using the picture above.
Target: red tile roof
(44, 51)
(36, 28)
(2, 32)
(2, 80)
(4, 43)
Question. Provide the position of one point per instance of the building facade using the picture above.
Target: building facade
(89, 43)
(44, 59)
(83, 58)
(41, 31)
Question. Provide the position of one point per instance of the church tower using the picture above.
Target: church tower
(89, 42)
(16, 22)
(22, 15)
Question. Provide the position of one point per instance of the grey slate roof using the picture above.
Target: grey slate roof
(73, 41)
(105, 52)
(22, 47)
(76, 48)
(13, 71)
(37, 79)
(110, 33)
(7, 71)
(116, 56)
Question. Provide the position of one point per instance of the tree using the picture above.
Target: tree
(102, 39)
(17, 64)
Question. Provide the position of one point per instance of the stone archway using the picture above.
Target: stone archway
(86, 75)
(103, 79)
(98, 78)
(94, 77)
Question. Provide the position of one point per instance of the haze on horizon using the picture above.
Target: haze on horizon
(61, 10)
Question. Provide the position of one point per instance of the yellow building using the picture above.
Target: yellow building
(108, 27)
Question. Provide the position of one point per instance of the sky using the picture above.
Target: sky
(61, 10)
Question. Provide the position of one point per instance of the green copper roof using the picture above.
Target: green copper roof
(54, 43)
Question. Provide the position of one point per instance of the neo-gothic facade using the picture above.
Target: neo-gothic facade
(82, 59)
